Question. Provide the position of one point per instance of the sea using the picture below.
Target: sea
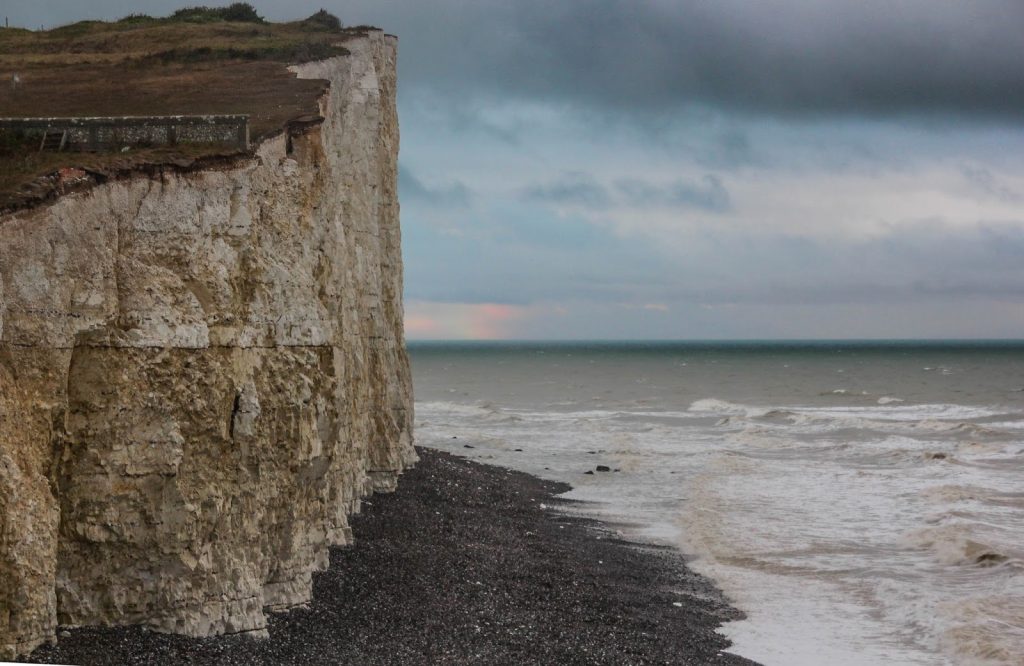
(861, 502)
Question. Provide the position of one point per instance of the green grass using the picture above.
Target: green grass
(239, 11)
(139, 36)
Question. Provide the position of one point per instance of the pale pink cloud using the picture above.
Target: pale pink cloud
(488, 320)
(659, 307)
(421, 326)
(466, 321)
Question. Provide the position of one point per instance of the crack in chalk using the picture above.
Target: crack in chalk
(234, 412)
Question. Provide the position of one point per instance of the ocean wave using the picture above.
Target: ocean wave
(986, 630)
(921, 412)
(957, 544)
(721, 407)
(734, 413)
(953, 493)
(974, 448)
(779, 416)
(887, 412)
(950, 493)
(1007, 425)
(454, 407)
(846, 392)
(963, 427)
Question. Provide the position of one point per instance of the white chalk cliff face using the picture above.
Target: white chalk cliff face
(200, 375)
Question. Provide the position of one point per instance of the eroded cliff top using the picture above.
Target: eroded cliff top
(141, 66)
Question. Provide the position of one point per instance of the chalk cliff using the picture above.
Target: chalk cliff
(201, 372)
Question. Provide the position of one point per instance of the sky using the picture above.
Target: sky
(719, 169)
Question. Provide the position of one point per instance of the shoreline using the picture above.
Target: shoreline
(465, 563)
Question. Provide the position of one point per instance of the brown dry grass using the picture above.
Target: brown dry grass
(154, 67)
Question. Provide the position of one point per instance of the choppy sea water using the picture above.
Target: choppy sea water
(863, 503)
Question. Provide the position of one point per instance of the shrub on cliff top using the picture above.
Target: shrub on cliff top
(324, 19)
(239, 11)
(135, 19)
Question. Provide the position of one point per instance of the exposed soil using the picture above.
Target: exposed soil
(151, 68)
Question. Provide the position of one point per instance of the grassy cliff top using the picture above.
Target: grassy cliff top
(196, 61)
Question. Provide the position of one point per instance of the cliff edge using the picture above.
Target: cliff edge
(201, 372)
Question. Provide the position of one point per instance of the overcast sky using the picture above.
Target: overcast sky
(716, 169)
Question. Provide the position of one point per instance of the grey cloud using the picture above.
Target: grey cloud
(784, 57)
(728, 150)
(929, 262)
(708, 194)
(581, 189)
(464, 118)
(573, 188)
(412, 188)
(985, 181)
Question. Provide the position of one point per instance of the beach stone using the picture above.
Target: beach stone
(603, 468)
(201, 373)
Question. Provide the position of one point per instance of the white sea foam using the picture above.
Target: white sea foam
(720, 407)
(986, 630)
(959, 543)
(885, 412)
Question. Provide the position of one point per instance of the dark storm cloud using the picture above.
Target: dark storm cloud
(784, 57)
(796, 57)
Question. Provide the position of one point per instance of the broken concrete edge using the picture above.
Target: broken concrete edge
(47, 188)
(50, 187)
(76, 122)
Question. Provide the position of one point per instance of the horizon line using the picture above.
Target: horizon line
(705, 340)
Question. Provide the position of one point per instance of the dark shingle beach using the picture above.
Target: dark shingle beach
(463, 565)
